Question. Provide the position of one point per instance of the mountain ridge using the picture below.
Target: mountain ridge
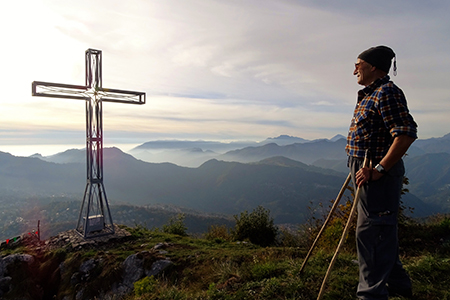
(194, 153)
(284, 185)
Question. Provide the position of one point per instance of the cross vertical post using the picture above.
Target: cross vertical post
(95, 217)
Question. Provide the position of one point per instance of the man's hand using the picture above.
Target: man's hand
(398, 148)
(367, 174)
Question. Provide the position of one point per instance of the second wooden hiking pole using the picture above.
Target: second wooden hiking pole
(344, 234)
(333, 208)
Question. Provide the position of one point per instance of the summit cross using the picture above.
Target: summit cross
(95, 217)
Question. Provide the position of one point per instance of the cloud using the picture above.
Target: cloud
(221, 69)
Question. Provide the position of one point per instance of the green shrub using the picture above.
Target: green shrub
(139, 231)
(445, 225)
(213, 293)
(257, 227)
(176, 225)
(145, 286)
(218, 233)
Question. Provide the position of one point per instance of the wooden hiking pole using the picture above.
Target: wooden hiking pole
(344, 234)
(333, 208)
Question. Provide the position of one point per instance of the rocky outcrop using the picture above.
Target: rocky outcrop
(134, 269)
(8, 262)
(71, 240)
(85, 278)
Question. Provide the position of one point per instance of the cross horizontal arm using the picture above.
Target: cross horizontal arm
(121, 96)
(80, 92)
(59, 90)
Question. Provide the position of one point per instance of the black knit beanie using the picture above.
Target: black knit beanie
(380, 57)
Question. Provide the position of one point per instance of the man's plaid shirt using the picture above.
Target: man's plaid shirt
(380, 115)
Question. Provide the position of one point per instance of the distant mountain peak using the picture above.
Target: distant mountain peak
(337, 137)
(284, 139)
(282, 161)
(283, 136)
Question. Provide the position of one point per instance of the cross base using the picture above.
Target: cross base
(107, 230)
(95, 217)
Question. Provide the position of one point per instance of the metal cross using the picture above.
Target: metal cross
(95, 216)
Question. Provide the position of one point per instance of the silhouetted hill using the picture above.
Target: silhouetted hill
(187, 157)
(279, 178)
(429, 176)
(337, 137)
(205, 145)
(339, 165)
(216, 186)
(434, 145)
(284, 186)
(194, 153)
(284, 140)
(29, 175)
(68, 156)
(322, 152)
(305, 152)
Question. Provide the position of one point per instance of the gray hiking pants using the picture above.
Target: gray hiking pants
(376, 234)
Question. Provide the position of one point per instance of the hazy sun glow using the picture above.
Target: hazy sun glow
(215, 70)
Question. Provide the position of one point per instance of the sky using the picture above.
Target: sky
(218, 70)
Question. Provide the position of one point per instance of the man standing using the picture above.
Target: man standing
(382, 125)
